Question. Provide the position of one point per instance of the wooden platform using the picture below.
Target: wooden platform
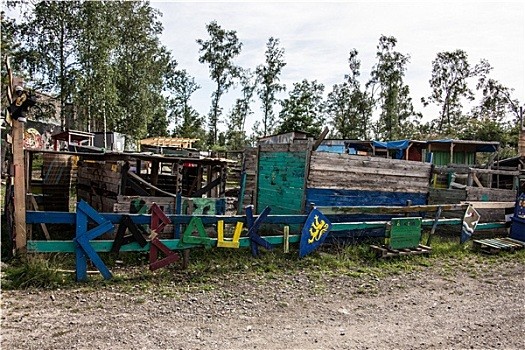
(384, 252)
(496, 245)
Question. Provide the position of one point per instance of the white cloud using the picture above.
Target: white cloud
(318, 36)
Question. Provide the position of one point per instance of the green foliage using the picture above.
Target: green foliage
(188, 122)
(235, 135)
(303, 110)
(268, 76)
(105, 58)
(350, 108)
(142, 64)
(105, 63)
(450, 74)
(218, 52)
(50, 44)
(397, 116)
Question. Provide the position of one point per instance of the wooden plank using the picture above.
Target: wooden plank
(476, 180)
(495, 171)
(294, 147)
(490, 194)
(140, 180)
(42, 225)
(347, 168)
(317, 176)
(110, 187)
(445, 196)
(390, 209)
(348, 197)
(389, 186)
(385, 252)
(102, 246)
(367, 161)
(99, 174)
(490, 205)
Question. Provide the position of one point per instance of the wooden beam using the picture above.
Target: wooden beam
(476, 180)
(320, 139)
(135, 177)
(392, 209)
(490, 205)
(42, 225)
(494, 171)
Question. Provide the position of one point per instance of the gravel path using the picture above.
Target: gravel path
(435, 308)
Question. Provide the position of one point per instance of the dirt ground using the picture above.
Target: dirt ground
(438, 307)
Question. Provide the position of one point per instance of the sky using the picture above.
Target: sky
(318, 36)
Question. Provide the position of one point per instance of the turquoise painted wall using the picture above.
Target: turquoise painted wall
(281, 182)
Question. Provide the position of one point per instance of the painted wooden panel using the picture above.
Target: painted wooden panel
(342, 197)
(364, 173)
(281, 180)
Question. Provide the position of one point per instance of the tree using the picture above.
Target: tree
(496, 118)
(397, 113)
(303, 110)
(350, 108)
(218, 52)
(236, 136)
(104, 58)
(449, 83)
(142, 64)
(95, 93)
(497, 102)
(268, 76)
(187, 120)
(9, 45)
(51, 38)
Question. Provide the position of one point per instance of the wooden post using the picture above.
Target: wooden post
(18, 176)
(209, 178)
(286, 239)
(223, 175)
(521, 141)
(154, 175)
(408, 150)
(19, 182)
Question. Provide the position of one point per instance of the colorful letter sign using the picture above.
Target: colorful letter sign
(314, 232)
(470, 221)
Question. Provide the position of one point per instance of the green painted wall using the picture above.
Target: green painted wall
(443, 158)
(281, 182)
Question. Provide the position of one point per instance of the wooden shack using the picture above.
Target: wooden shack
(291, 176)
(105, 178)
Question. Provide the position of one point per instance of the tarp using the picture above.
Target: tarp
(399, 146)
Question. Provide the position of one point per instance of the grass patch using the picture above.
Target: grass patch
(210, 267)
(36, 272)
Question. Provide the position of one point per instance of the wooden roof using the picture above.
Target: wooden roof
(168, 142)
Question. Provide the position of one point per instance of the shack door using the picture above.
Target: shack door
(281, 177)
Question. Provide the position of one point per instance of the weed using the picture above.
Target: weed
(36, 272)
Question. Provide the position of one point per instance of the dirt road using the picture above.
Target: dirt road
(438, 307)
